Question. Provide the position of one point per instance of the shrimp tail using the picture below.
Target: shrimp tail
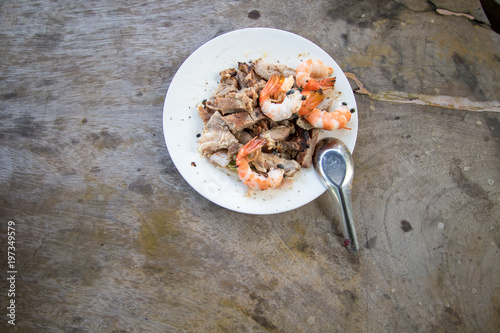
(311, 102)
(328, 83)
(253, 145)
(314, 85)
(271, 88)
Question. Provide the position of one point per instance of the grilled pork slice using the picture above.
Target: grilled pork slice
(233, 102)
(237, 122)
(222, 90)
(252, 94)
(226, 86)
(244, 136)
(265, 162)
(246, 75)
(205, 114)
(216, 136)
(221, 158)
(266, 70)
(228, 77)
(302, 146)
(278, 133)
(305, 157)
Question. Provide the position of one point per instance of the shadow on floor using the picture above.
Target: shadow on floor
(492, 10)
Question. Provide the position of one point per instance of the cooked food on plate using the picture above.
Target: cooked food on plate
(263, 119)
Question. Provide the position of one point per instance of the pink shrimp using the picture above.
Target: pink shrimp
(277, 101)
(310, 71)
(329, 121)
(248, 176)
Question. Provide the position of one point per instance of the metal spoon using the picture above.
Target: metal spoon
(335, 168)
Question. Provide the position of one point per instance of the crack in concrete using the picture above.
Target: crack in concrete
(449, 102)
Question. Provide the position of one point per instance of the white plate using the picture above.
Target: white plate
(198, 77)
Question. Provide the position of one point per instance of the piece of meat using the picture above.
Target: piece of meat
(216, 136)
(266, 70)
(244, 136)
(301, 146)
(221, 158)
(246, 75)
(229, 77)
(304, 124)
(265, 162)
(278, 133)
(234, 149)
(259, 127)
(233, 102)
(237, 122)
(291, 145)
(304, 158)
(252, 94)
(222, 90)
(205, 114)
(325, 104)
(298, 143)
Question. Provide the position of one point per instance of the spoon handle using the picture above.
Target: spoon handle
(342, 197)
(351, 239)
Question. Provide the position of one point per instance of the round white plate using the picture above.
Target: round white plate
(198, 77)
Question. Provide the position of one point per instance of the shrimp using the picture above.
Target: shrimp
(277, 100)
(329, 121)
(251, 178)
(310, 71)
